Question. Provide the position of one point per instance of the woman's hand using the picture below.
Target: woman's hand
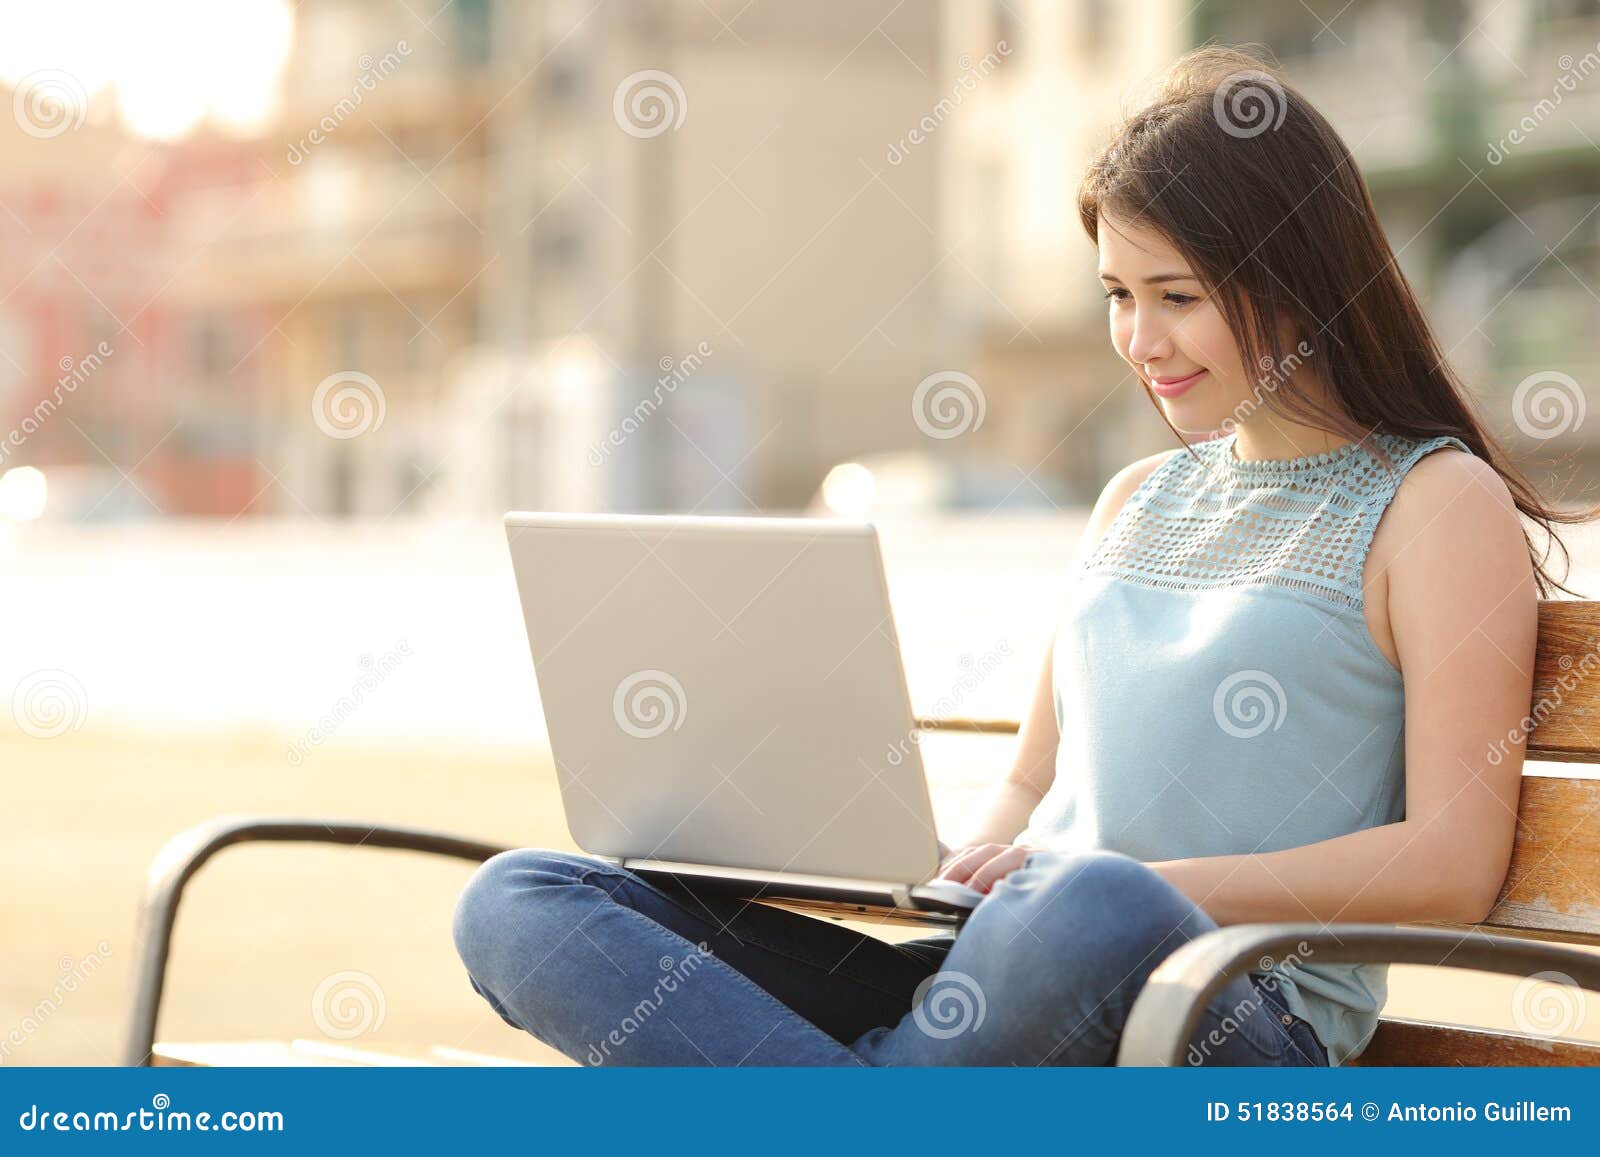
(980, 866)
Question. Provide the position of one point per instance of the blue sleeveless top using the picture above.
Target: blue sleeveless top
(1218, 691)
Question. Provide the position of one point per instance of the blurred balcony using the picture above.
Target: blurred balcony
(333, 230)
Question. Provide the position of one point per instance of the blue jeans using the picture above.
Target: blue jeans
(614, 970)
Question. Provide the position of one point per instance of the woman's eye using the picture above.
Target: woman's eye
(1177, 300)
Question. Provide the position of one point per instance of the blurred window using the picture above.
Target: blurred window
(473, 32)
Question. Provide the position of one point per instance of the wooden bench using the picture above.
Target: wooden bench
(1551, 895)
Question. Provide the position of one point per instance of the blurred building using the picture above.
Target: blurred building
(533, 294)
(683, 255)
(350, 247)
(1023, 289)
(1494, 221)
(1477, 126)
(102, 372)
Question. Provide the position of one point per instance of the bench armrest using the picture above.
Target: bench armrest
(185, 853)
(1169, 1007)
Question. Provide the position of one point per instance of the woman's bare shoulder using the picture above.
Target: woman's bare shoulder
(1125, 481)
(1450, 484)
(1115, 496)
(1452, 544)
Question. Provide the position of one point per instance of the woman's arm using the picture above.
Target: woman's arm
(1032, 770)
(1463, 608)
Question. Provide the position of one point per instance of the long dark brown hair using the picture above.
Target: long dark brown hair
(1254, 187)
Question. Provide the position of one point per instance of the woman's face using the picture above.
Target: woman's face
(1174, 337)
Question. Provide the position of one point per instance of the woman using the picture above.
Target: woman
(1289, 648)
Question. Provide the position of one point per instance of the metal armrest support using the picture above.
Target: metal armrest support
(1169, 1007)
(182, 857)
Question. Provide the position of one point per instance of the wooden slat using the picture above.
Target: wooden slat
(232, 1054)
(1566, 683)
(958, 723)
(449, 1055)
(317, 1054)
(1415, 1042)
(1553, 884)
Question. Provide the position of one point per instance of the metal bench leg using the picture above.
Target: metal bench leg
(183, 856)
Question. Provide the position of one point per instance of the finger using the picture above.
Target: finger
(984, 877)
(966, 860)
(996, 869)
(958, 866)
(975, 862)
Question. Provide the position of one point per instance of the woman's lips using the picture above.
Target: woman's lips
(1172, 387)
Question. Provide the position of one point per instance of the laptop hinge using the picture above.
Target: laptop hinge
(902, 895)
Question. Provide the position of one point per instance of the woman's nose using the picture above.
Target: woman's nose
(1150, 340)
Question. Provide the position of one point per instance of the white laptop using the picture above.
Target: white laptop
(726, 705)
